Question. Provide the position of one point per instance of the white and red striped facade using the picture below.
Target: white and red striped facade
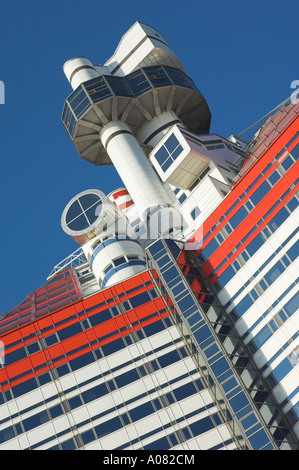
(179, 330)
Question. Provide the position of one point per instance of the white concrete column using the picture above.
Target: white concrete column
(133, 167)
(79, 70)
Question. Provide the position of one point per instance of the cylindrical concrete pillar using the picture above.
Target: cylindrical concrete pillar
(133, 167)
(79, 70)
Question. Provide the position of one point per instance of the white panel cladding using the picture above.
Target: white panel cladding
(271, 314)
(141, 46)
(79, 70)
(206, 196)
(210, 439)
(40, 433)
(287, 386)
(258, 258)
(265, 301)
(154, 125)
(277, 340)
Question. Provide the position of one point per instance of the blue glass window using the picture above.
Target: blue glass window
(295, 152)
(119, 85)
(244, 305)
(195, 213)
(238, 217)
(262, 336)
(169, 151)
(201, 426)
(157, 76)
(138, 82)
(94, 393)
(274, 273)
(210, 248)
(282, 369)
(287, 163)
(79, 102)
(260, 193)
(98, 89)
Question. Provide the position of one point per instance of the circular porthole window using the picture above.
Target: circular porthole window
(83, 214)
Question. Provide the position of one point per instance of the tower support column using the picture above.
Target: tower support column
(142, 182)
(133, 167)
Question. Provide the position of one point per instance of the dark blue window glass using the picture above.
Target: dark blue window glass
(166, 164)
(62, 370)
(161, 444)
(36, 420)
(119, 86)
(262, 336)
(100, 317)
(210, 248)
(295, 152)
(97, 89)
(68, 445)
(292, 305)
(56, 411)
(75, 402)
(274, 273)
(157, 76)
(44, 378)
(138, 82)
(226, 276)
(256, 243)
(82, 361)
(161, 155)
(15, 356)
(94, 393)
(238, 217)
(260, 193)
(171, 143)
(24, 387)
(220, 366)
(185, 391)
(88, 436)
(119, 261)
(108, 427)
(140, 299)
(33, 347)
(292, 204)
(238, 402)
(112, 347)
(127, 378)
(52, 339)
(141, 411)
(201, 426)
(244, 305)
(7, 434)
(274, 177)
(278, 220)
(70, 331)
(202, 334)
(176, 152)
(169, 358)
(287, 163)
(282, 369)
(293, 251)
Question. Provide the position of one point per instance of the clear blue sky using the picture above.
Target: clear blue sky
(242, 54)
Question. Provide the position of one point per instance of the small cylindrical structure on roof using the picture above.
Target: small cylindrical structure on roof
(105, 235)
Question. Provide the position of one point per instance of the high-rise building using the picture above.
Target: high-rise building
(174, 324)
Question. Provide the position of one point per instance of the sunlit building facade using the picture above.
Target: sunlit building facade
(174, 325)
